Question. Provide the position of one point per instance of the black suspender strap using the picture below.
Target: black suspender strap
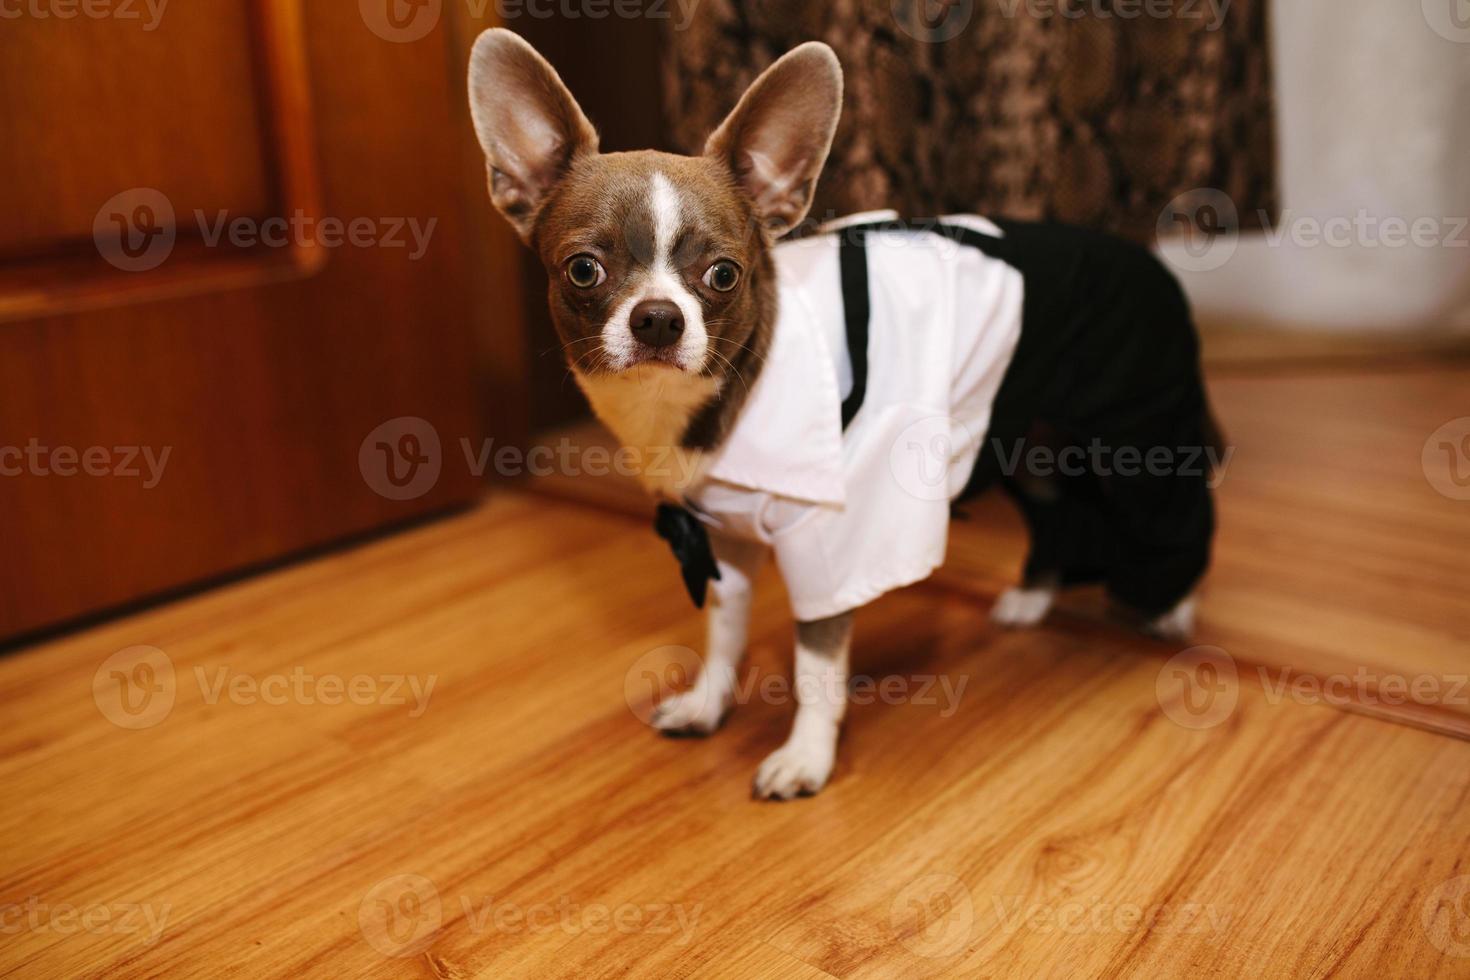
(853, 257)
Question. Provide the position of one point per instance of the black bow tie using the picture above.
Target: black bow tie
(686, 535)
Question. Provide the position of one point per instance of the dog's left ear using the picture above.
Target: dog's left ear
(777, 138)
(530, 127)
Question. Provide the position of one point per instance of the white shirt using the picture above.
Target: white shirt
(851, 515)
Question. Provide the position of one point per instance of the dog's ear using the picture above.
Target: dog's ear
(776, 139)
(529, 125)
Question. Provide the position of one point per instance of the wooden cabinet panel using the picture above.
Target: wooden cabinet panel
(91, 105)
(252, 376)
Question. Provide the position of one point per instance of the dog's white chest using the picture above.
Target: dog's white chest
(649, 411)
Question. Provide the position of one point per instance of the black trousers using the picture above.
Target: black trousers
(1106, 376)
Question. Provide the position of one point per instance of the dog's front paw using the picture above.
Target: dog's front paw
(1019, 608)
(798, 768)
(697, 711)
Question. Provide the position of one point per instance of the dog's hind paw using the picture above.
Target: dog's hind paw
(1022, 607)
(1176, 625)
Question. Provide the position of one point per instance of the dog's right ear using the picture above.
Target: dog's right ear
(530, 127)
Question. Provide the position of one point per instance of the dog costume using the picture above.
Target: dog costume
(915, 364)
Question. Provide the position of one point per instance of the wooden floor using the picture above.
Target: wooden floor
(424, 758)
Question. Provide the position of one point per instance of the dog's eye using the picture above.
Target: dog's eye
(584, 271)
(722, 276)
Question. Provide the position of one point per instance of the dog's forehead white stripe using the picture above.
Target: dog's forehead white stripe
(660, 280)
(668, 209)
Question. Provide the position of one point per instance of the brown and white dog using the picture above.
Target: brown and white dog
(663, 290)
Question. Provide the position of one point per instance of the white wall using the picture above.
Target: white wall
(1373, 102)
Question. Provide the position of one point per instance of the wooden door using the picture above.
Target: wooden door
(240, 240)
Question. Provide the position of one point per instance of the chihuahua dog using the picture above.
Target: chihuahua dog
(824, 394)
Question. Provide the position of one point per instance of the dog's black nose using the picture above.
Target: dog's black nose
(656, 322)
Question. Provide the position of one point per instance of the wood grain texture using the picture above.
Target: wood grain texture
(1054, 814)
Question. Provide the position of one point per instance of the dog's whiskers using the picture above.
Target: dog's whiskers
(733, 369)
